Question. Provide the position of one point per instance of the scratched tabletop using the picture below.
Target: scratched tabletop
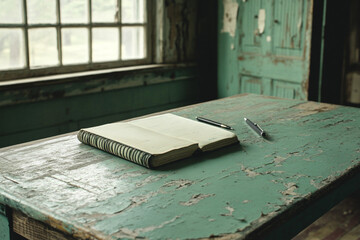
(235, 192)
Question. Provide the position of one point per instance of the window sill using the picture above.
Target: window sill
(58, 78)
(74, 84)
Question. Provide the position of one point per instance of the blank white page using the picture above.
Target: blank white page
(184, 128)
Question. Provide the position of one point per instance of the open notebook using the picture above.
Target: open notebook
(157, 140)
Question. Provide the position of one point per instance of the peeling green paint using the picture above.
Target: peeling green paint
(312, 148)
(268, 48)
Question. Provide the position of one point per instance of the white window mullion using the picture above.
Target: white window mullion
(90, 31)
(58, 30)
(53, 42)
(120, 27)
(26, 38)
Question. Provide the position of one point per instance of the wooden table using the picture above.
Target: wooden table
(270, 188)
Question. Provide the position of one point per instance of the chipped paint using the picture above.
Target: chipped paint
(249, 172)
(181, 183)
(230, 209)
(261, 21)
(313, 107)
(235, 192)
(128, 233)
(230, 17)
(268, 42)
(279, 159)
(290, 189)
(195, 199)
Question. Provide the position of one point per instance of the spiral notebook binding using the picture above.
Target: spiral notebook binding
(116, 148)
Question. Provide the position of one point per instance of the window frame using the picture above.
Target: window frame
(26, 72)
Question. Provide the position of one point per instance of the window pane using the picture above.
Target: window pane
(74, 11)
(104, 11)
(133, 11)
(11, 49)
(11, 11)
(43, 49)
(105, 44)
(132, 43)
(41, 11)
(75, 45)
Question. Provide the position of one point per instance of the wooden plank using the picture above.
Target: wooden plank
(341, 222)
(35, 230)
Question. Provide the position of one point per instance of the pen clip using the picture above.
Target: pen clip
(258, 127)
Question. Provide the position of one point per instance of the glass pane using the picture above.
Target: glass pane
(132, 43)
(75, 45)
(41, 11)
(43, 49)
(12, 53)
(105, 44)
(74, 11)
(133, 11)
(104, 11)
(11, 11)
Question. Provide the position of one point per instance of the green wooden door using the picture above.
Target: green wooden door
(269, 50)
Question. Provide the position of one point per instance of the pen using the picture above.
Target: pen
(255, 127)
(201, 119)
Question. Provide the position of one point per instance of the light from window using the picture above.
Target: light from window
(56, 33)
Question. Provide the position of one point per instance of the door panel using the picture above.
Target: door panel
(286, 90)
(288, 27)
(255, 84)
(284, 50)
(251, 40)
(279, 56)
(272, 67)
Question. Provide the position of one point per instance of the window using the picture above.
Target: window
(40, 37)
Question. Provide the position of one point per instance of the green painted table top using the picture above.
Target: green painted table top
(231, 192)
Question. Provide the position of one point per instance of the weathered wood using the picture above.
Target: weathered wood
(341, 222)
(309, 162)
(255, 60)
(180, 31)
(35, 230)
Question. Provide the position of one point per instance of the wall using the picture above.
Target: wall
(32, 110)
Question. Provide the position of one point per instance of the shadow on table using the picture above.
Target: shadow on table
(201, 157)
